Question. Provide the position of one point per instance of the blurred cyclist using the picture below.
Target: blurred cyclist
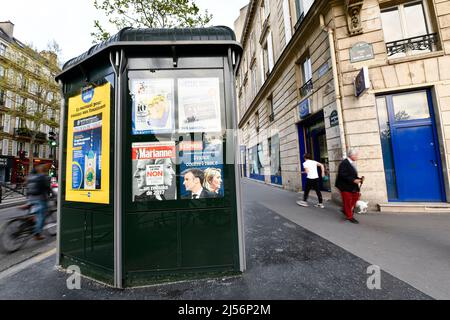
(38, 188)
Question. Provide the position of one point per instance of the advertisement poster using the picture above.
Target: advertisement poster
(199, 105)
(154, 177)
(87, 169)
(153, 106)
(201, 165)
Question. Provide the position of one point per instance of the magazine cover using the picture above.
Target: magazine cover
(201, 165)
(87, 152)
(153, 106)
(199, 105)
(154, 177)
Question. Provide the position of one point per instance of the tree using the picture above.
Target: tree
(30, 92)
(148, 14)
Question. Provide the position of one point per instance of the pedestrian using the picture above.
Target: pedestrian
(312, 180)
(348, 183)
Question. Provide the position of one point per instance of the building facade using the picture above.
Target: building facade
(326, 76)
(29, 107)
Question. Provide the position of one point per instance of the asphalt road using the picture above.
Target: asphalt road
(31, 249)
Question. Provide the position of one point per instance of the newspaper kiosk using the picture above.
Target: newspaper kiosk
(149, 180)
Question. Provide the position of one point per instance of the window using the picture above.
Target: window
(19, 102)
(270, 108)
(9, 99)
(255, 155)
(303, 7)
(257, 121)
(411, 106)
(266, 8)
(33, 87)
(2, 71)
(287, 21)
(275, 159)
(20, 147)
(2, 49)
(36, 150)
(252, 43)
(5, 146)
(253, 76)
(267, 56)
(407, 30)
(21, 123)
(2, 97)
(306, 70)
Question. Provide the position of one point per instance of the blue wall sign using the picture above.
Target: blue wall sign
(362, 81)
(304, 108)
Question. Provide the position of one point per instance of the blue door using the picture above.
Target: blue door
(418, 171)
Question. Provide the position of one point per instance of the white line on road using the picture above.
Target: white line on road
(25, 264)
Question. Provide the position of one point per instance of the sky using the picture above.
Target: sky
(70, 23)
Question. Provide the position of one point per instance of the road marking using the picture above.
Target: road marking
(25, 264)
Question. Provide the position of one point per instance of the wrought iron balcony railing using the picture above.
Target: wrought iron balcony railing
(307, 88)
(427, 43)
(27, 133)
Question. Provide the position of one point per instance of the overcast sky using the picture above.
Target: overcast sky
(70, 23)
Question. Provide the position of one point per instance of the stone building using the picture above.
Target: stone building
(29, 107)
(326, 76)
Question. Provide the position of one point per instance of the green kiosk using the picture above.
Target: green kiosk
(149, 182)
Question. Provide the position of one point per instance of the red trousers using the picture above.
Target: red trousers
(349, 200)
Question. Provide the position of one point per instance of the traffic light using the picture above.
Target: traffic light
(52, 139)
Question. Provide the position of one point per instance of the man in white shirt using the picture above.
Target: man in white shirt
(312, 180)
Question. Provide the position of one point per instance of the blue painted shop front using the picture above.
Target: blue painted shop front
(312, 140)
(410, 147)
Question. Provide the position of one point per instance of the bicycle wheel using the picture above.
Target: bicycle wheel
(13, 236)
(50, 224)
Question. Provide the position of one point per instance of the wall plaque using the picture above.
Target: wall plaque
(334, 119)
(361, 51)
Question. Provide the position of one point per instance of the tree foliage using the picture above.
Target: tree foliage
(148, 14)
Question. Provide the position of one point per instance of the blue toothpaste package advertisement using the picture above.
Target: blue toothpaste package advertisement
(201, 164)
(87, 146)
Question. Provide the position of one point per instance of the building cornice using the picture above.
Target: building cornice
(247, 23)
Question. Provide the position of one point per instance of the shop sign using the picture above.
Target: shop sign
(361, 51)
(334, 119)
(304, 108)
(362, 81)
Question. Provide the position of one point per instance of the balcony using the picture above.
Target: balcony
(27, 133)
(415, 45)
(307, 88)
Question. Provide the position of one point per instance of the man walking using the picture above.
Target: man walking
(312, 180)
(348, 184)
